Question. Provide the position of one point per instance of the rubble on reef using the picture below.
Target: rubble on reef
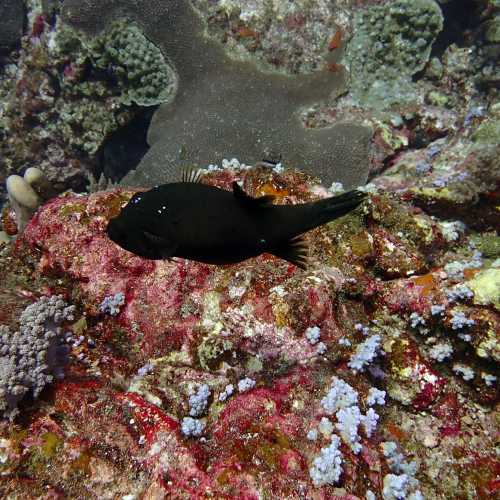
(370, 373)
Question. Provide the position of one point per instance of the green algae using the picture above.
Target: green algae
(72, 209)
(267, 445)
(488, 132)
(488, 244)
(40, 457)
(212, 351)
(492, 30)
(51, 444)
(254, 365)
(437, 98)
(486, 287)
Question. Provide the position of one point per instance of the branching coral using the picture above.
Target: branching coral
(31, 357)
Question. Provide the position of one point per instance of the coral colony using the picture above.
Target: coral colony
(259, 115)
(371, 372)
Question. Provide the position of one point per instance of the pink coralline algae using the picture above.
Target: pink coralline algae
(187, 380)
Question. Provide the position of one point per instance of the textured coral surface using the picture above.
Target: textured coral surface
(240, 110)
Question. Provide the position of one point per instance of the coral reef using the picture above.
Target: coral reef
(391, 43)
(189, 378)
(66, 95)
(240, 110)
(371, 374)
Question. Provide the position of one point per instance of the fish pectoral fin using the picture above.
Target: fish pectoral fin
(165, 246)
(191, 174)
(295, 251)
(261, 201)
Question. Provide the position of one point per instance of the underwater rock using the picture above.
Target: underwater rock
(292, 36)
(11, 22)
(449, 176)
(225, 107)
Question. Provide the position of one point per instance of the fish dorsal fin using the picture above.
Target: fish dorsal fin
(191, 174)
(240, 195)
(295, 251)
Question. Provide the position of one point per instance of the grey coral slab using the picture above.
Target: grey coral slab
(225, 108)
(11, 22)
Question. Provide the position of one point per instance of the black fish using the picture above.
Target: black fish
(204, 223)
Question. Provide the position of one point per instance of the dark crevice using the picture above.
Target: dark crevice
(480, 216)
(125, 148)
(461, 19)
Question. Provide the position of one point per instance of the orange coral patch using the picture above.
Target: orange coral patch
(245, 32)
(334, 67)
(427, 282)
(271, 189)
(469, 273)
(396, 431)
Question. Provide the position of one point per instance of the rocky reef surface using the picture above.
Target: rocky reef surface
(372, 374)
(373, 370)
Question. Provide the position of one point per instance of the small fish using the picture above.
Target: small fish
(207, 224)
(336, 40)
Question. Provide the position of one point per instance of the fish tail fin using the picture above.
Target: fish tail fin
(295, 251)
(340, 205)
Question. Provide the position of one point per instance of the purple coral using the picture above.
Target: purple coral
(340, 395)
(327, 467)
(365, 353)
(459, 320)
(423, 168)
(112, 303)
(192, 427)
(246, 384)
(198, 401)
(375, 396)
(31, 357)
